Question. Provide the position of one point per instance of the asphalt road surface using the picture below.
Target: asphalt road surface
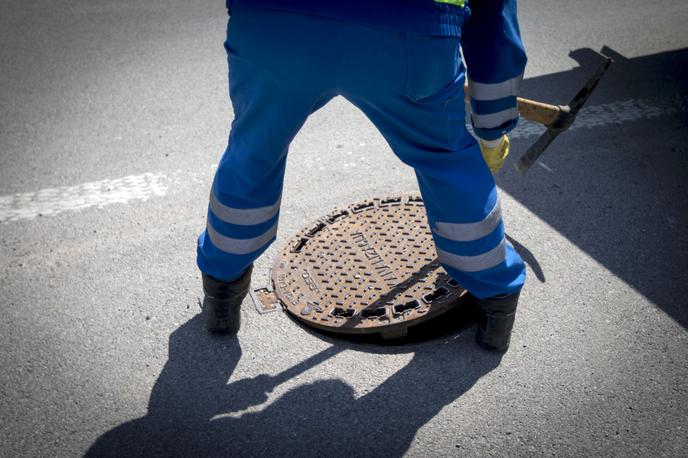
(113, 115)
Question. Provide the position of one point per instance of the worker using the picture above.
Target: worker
(400, 63)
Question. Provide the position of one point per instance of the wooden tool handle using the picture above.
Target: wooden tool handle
(539, 112)
(544, 113)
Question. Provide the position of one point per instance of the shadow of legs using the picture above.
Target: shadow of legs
(320, 418)
(528, 258)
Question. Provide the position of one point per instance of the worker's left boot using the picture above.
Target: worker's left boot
(496, 320)
(222, 302)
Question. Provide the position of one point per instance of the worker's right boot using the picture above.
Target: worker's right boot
(222, 302)
(496, 320)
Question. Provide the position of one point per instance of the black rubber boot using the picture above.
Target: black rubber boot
(222, 302)
(496, 320)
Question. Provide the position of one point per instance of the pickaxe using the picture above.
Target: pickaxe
(557, 118)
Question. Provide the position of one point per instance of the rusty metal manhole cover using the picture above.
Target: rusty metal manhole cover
(368, 268)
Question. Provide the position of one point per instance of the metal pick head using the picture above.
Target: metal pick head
(536, 150)
(566, 118)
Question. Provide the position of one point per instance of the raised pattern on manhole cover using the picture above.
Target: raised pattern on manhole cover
(369, 267)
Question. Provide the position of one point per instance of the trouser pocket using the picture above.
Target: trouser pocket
(433, 65)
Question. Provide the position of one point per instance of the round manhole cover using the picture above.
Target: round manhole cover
(368, 268)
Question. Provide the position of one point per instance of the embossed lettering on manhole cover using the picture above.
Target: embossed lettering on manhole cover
(370, 267)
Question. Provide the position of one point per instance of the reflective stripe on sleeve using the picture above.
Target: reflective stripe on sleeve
(460, 3)
(241, 246)
(487, 91)
(466, 232)
(242, 216)
(493, 120)
(485, 261)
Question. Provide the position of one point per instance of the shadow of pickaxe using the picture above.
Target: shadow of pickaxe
(557, 118)
(254, 391)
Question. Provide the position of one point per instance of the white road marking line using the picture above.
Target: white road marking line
(142, 187)
(610, 114)
(98, 194)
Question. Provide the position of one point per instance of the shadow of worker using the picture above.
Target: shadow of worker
(184, 397)
(188, 405)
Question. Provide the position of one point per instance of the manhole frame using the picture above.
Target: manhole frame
(393, 325)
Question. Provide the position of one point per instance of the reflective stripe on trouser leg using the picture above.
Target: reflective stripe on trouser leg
(420, 112)
(269, 106)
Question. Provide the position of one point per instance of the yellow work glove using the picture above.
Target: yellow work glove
(495, 152)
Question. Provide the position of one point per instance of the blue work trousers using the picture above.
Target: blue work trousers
(283, 67)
